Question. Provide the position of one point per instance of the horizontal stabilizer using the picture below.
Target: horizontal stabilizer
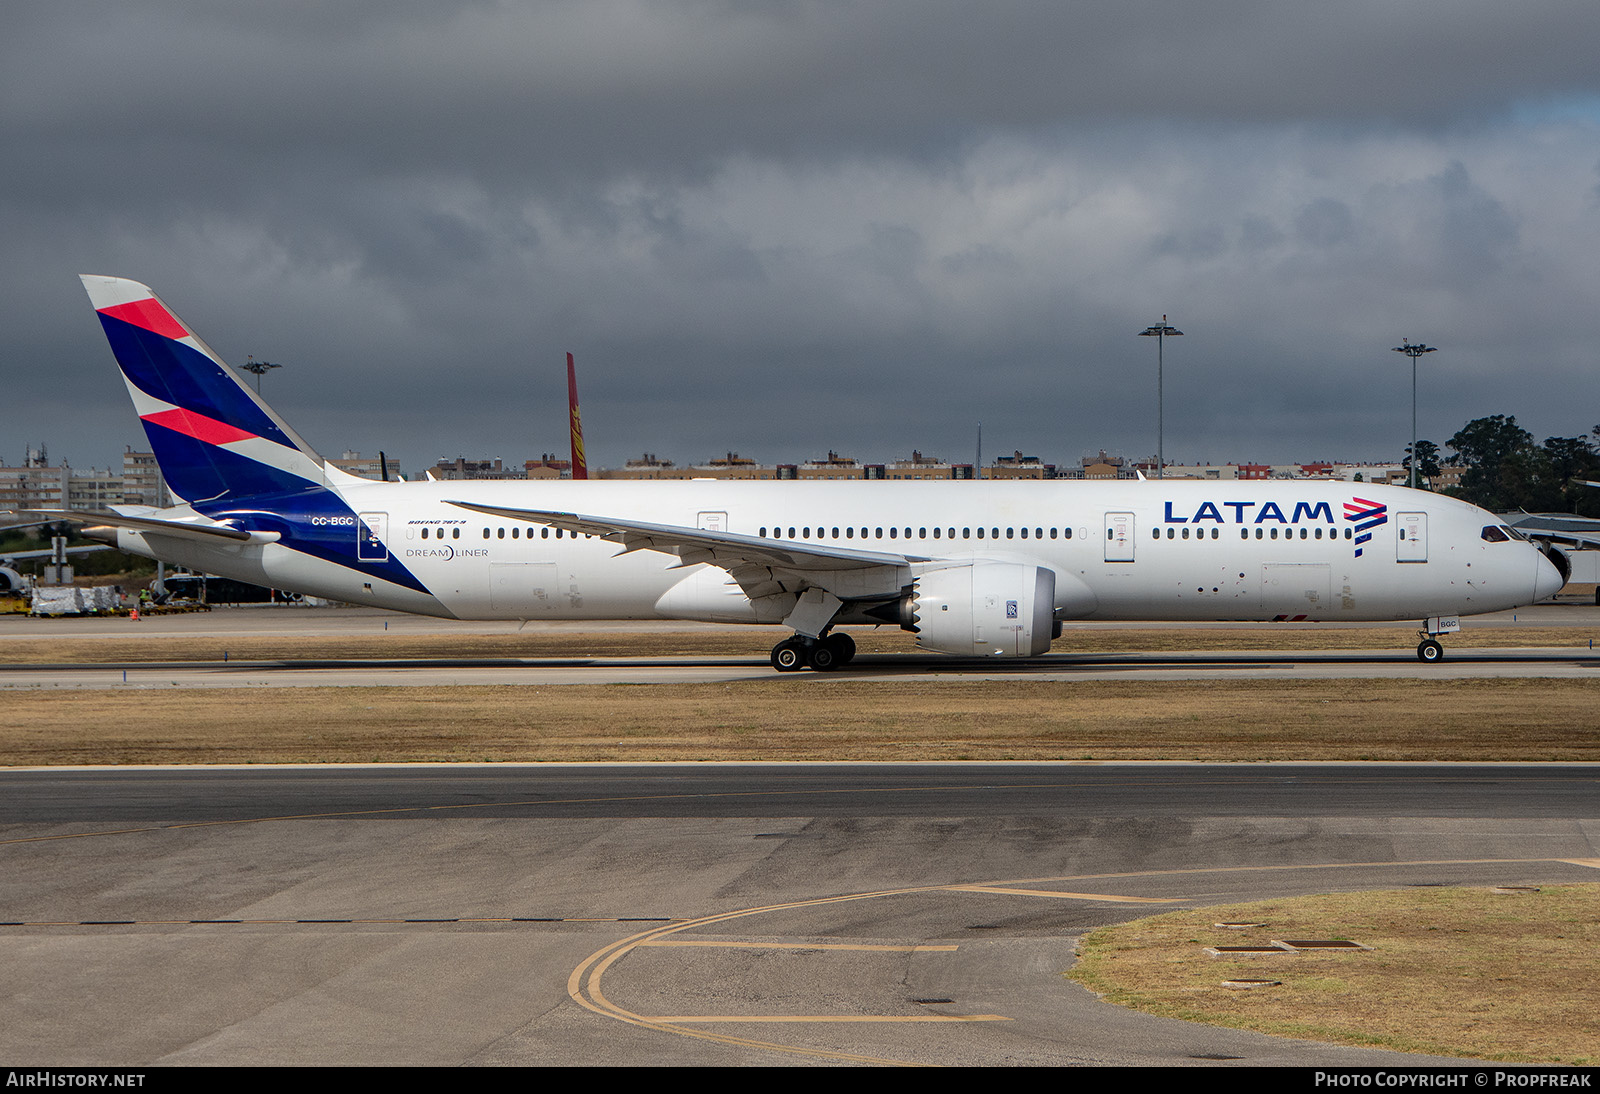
(183, 529)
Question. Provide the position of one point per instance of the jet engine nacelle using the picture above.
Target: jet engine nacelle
(994, 609)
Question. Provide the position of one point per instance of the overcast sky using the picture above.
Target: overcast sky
(783, 227)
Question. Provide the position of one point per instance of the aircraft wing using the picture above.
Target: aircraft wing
(49, 552)
(212, 533)
(761, 566)
(1581, 532)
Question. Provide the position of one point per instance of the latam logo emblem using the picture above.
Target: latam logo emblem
(1366, 515)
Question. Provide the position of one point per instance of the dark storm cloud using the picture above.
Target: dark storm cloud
(780, 227)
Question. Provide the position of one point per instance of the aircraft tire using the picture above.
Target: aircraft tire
(825, 656)
(789, 655)
(844, 648)
(1429, 652)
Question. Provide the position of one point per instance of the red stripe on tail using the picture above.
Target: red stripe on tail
(150, 315)
(198, 426)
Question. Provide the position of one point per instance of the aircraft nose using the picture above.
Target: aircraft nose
(1547, 580)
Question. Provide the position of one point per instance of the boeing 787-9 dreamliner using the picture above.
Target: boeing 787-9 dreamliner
(971, 567)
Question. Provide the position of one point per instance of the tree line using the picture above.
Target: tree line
(1504, 470)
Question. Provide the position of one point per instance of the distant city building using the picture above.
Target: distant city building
(142, 483)
(1018, 466)
(95, 489)
(368, 467)
(835, 466)
(34, 485)
(548, 466)
(463, 468)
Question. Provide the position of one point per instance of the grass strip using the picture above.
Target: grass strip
(1450, 972)
(813, 718)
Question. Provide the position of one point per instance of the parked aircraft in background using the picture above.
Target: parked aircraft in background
(973, 568)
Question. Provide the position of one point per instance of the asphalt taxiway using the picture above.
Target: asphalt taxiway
(699, 913)
(695, 913)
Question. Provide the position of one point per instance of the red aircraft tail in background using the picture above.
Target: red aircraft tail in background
(580, 468)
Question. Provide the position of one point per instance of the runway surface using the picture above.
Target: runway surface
(695, 913)
(1075, 657)
(699, 913)
(436, 672)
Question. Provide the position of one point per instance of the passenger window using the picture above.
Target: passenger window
(544, 533)
(424, 533)
(791, 533)
(1052, 533)
(1186, 533)
(849, 533)
(486, 533)
(877, 533)
(980, 533)
(1066, 533)
(500, 533)
(1155, 533)
(514, 533)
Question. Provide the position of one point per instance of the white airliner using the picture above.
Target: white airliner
(973, 568)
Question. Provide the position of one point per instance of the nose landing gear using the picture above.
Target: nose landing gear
(1429, 651)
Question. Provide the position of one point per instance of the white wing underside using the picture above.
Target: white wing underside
(761, 567)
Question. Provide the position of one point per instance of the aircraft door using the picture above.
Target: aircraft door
(712, 522)
(373, 542)
(1119, 537)
(1413, 531)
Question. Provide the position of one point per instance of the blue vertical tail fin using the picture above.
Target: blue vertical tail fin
(213, 437)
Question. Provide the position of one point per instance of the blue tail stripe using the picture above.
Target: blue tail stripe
(185, 377)
(195, 469)
(315, 522)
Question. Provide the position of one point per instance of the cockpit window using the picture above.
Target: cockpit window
(1493, 533)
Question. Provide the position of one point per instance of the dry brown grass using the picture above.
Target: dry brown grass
(1454, 972)
(813, 718)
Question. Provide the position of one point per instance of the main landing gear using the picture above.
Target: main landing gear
(831, 651)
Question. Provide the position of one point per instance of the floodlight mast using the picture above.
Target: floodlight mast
(259, 368)
(1160, 334)
(1413, 352)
